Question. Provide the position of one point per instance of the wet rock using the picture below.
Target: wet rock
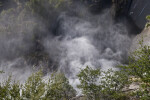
(119, 7)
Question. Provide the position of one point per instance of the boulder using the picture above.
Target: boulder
(145, 35)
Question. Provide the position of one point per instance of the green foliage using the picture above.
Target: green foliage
(108, 85)
(139, 67)
(148, 23)
(4, 90)
(58, 88)
(10, 91)
(88, 78)
(1, 72)
(15, 91)
(139, 64)
(34, 88)
(112, 85)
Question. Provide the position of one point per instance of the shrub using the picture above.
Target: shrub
(35, 88)
(9, 91)
(139, 67)
(96, 84)
(88, 78)
(148, 23)
(58, 88)
(112, 84)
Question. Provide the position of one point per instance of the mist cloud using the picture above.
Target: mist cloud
(80, 39)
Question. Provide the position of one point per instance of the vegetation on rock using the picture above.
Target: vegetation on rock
(148, 23)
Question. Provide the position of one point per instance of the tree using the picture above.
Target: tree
(112, 84)
(10, 91)
(58, 88)
(34, 87)
(88, 78)
(107, 85)
(15, 91)
(4, 90)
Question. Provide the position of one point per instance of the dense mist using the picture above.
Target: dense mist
(74, 39)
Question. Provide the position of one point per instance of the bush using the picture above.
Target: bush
(112, 84)
(108, 85)
(35, 88)
(58, 88)
(139, 67)
(9, 91)
(148, 23)
(88, 78)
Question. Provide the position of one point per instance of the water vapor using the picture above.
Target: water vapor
(80, 39)
(89, 40)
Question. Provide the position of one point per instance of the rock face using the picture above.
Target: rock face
(119, 7)
(138, 11)
(145, 34)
